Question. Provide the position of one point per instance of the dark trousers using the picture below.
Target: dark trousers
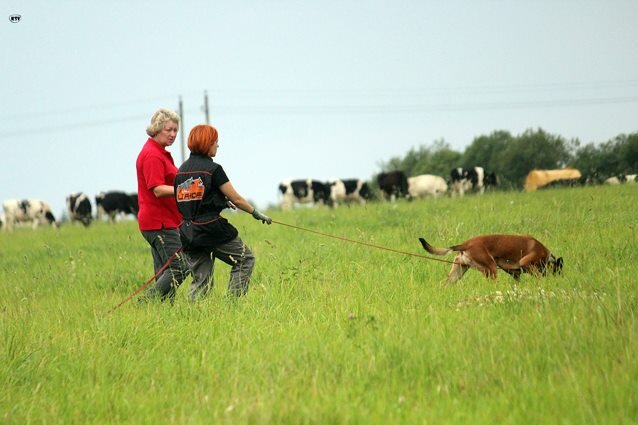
(163, 244)
(234, 253)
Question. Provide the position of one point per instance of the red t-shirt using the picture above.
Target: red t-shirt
(155, 167)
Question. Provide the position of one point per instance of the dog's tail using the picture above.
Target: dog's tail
(432, 250)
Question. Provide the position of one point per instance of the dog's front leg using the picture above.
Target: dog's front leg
(511, 268)
(532, 264)
(515, 273)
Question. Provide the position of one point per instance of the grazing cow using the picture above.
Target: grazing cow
(27, 211)
(79, 207)
(393, 184)
(621, 178)
(303, 192)
(426, 185)
(113, 203)
(615, 180)
(540, 178)
(460, 181)
(590, 179)
(348, 190)
(476, 179)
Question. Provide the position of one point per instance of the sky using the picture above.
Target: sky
(299, 89)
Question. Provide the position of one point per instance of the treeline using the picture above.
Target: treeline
(512, 157)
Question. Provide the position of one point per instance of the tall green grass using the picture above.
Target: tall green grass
(333, 332)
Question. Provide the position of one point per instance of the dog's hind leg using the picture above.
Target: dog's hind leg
(484, 262)
(488, 270)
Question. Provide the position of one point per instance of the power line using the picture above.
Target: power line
(75, 126)
(85, 108)
(270, 93)
(424, 91)
(355, 109)
(421, 108)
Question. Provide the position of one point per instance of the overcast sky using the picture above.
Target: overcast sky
(300, 89)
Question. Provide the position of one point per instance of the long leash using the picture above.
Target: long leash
(148, 282)
(341, 238)
(364, 243)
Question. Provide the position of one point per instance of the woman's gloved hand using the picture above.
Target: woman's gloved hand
(263, 217)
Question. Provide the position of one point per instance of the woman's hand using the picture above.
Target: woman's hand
(263, 217)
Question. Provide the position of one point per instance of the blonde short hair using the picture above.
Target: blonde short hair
(159, 118)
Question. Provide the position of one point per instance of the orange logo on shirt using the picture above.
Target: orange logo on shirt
(190, 190)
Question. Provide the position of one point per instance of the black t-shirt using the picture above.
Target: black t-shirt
(200, 202)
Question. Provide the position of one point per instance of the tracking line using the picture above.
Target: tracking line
(365, 243)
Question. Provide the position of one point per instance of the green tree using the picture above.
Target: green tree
(609, 161)
(437, 158)
(484, 151)
(616, 156)
(628, 153)
(406, 163)
(443, 160)
(587, 160)
(439, 161)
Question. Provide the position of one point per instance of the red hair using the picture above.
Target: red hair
(201, 138)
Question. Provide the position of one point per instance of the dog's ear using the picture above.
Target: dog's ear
(559, 265)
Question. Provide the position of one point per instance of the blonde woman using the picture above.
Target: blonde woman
(158, 216)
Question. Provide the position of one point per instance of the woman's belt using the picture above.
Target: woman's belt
(203, 220)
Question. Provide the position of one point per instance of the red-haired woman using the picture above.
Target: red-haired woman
(202, 191)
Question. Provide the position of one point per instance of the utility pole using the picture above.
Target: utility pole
(183, 128)
(206, 107)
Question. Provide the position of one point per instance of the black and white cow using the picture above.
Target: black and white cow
(113, 203)
(303, 192)
(27, 211)
(426, 185)
(393, 184)
(591, 179)
(475, 179)
(621, 179)
(79, 208)
(349, 190)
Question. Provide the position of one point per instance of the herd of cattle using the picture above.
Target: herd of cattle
(396, 184)
(78, 205)
(392, 185)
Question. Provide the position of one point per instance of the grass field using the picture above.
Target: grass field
(333, 332)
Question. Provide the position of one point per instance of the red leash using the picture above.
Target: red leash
(365, 243)
(141, 288)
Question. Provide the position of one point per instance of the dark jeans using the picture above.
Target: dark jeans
(163, 244)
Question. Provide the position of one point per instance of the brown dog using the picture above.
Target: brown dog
(515, 254)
